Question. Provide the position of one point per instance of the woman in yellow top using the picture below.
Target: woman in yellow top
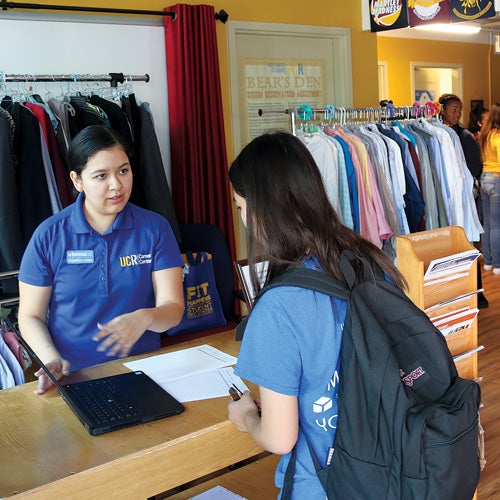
(489, 143)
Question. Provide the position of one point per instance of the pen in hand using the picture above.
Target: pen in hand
(234, 394)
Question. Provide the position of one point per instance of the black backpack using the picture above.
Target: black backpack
(408, 424)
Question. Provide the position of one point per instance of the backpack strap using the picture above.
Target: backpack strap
(310, 279)
(302, 277)
(286, 491)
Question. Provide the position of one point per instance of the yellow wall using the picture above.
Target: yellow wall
(400, 52)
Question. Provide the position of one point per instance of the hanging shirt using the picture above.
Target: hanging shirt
(375, 212)
(344, 197)
(322, 152)
(11, 362)
(351, 181)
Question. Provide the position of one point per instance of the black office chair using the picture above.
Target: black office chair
(209, 238)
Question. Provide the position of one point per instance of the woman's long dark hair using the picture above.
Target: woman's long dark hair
(289, 216)
(475, 117)
(492, 123)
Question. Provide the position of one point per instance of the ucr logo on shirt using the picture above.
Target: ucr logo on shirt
(135, 260)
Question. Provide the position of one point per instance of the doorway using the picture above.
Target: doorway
(430, 80)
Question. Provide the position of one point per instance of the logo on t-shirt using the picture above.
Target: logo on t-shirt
(322, 404)
(135, 260)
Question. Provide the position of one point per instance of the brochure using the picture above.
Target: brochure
(452, 300)
(451, 264)
(452, 323)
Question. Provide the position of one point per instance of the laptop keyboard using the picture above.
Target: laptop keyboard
(99, 398)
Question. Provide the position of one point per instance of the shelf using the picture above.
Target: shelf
(414, 253)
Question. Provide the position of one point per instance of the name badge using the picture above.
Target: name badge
(80, 256)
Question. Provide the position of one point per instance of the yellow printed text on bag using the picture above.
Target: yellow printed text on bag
(199, 301)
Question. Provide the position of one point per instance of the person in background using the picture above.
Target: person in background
(451, 112)
(293, 335)
(489, 143)
(477, 117)
(103, 277)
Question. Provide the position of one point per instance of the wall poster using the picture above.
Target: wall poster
(275, 67)
(273, 84)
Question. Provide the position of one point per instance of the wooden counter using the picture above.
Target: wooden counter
(46, 452)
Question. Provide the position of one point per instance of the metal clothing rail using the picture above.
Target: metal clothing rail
(113, 78)
(290, 112)
(219, 16)
(340, 115)
(306, 113)
(33, 6)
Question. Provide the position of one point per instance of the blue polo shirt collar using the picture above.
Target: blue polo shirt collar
(80, 225)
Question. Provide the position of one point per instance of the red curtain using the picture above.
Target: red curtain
(200, 185)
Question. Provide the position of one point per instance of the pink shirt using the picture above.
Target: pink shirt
(372, 221)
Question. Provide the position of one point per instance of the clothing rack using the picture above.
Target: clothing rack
(280, 112)
(113, 78)
(221, 16)
(357, 115)
(327, 113)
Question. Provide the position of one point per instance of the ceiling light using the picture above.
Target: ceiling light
(462, 29)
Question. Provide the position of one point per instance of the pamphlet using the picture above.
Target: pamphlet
(454, 322)
(452, 300)
(451, 264)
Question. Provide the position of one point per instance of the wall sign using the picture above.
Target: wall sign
(469, 10)
(388, 15)
(280, 84)
(278, 67)
(428, 11)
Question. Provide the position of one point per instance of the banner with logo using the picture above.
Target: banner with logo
(428, 12)
(388, 15)
(470, 10)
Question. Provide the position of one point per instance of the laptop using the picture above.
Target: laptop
(111, 403)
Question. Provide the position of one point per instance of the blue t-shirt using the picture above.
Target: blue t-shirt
(292, 346)
(96, 277)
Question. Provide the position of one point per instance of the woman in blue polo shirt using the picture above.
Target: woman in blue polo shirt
(102, 277)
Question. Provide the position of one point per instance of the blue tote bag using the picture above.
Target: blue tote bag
(202, 305)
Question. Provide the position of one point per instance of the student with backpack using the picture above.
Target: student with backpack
(291, 345)
(357, 388)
